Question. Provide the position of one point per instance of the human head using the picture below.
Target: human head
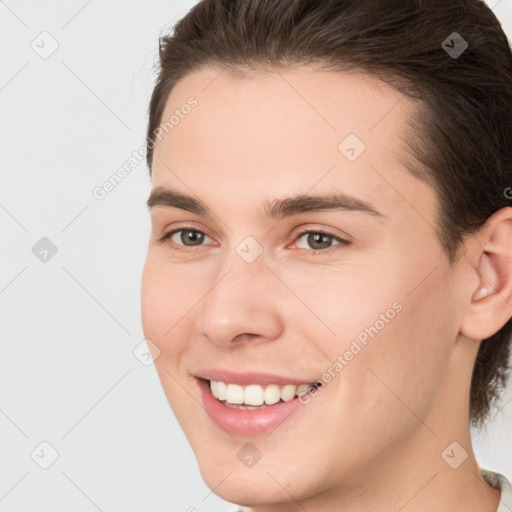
(453, 101)
(462, 100)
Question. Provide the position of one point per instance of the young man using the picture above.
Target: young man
(328, 281)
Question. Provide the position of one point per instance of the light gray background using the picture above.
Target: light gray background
(69, 326)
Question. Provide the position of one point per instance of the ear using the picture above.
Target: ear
(489, 304)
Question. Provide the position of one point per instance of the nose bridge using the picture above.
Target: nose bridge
(239, 299)
(240, 270)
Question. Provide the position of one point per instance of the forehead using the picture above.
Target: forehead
(296, 103)
(286, 130)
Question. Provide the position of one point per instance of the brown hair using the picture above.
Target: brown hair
(460, 135)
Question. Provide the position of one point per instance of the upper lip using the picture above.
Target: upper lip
(247, 378)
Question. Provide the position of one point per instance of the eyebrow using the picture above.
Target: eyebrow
(276, 209)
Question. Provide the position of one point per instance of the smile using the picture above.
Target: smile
(256, 396)
(252, 409)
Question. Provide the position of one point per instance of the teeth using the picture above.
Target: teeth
(272, 394)
(302, 388)
(254, 394)
(288, 392)
(235, 394)
(214, 387)
(221, 390)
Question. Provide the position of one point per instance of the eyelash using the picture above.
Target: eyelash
(165, 238)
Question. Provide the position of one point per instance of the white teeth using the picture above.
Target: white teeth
(288, 392)
(221, 390)
(272, 394)
(256, 395)
(234, 394)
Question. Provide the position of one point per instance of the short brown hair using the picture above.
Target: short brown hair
(460, 136)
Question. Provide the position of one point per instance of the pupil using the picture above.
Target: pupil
(319, 238)
(191, 236)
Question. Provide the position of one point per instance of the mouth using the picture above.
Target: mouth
(253, 409)
(256, 396)
(251, 403)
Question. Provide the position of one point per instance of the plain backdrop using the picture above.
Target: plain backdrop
(75, 79)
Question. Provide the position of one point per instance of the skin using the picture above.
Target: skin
(372, 438)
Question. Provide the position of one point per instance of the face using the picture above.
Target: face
(251, 286)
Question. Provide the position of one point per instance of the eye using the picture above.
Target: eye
(188, 237)
(319, 241)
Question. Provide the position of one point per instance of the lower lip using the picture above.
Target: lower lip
(246, 422)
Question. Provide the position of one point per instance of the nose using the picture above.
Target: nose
(241, 304)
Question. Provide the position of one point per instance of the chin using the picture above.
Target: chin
(243, 487)
(268, 482)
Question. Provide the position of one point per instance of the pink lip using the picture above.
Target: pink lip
(247, 378)
(246, 422)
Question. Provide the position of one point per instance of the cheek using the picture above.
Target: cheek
(336, 303)
(168, 294)
(400, 366)
(165, 299)
(391, 338)
(153, 300)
